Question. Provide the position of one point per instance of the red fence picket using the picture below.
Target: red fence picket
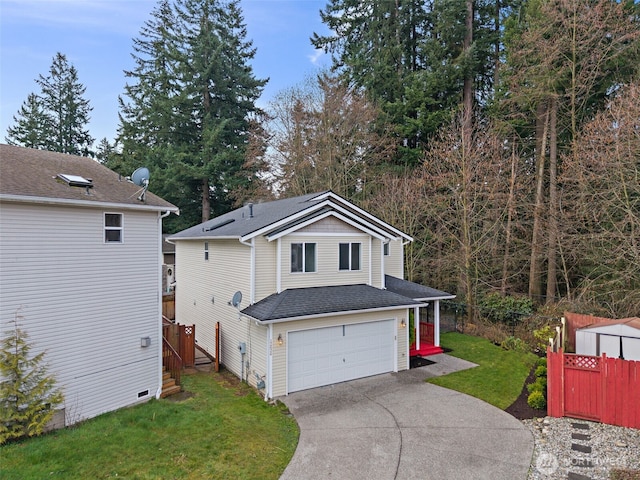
(593, 388)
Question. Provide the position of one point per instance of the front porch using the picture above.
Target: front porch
(427, 331)
(425, 343)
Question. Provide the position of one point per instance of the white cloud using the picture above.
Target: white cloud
(317, 56)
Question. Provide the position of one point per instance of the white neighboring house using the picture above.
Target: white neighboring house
(323, 294)
(80, 267)
(615, 338)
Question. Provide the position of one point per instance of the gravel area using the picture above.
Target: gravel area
(564, 451)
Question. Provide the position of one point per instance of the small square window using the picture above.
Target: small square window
(113, 228)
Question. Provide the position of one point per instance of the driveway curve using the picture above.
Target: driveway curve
(396, 426)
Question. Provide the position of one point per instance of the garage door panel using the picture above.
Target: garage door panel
(329, 355)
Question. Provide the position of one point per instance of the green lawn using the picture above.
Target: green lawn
(500, 374)
(225, 431)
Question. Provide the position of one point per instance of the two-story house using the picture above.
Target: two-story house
(80, 271)
(309, 291)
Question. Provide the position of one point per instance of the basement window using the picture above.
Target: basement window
(113, 228)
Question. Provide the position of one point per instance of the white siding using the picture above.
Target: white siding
(586, 343)
(203, 291)
(85, 302)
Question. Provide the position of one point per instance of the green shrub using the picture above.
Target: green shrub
(536, 400)
(540, 385)
(542, 361)
(28, 394)
(542, 336)
(514, 343)
(541, 371)
(504, 309)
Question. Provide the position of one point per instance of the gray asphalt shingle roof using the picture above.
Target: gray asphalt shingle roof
(239, 222)
(30, 173)
(314, 301)
(414, 290)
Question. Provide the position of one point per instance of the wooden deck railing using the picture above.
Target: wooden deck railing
(171, 360)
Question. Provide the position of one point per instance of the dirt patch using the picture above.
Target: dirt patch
(520, 408)
(180, 397)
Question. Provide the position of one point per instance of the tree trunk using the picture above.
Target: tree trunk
(535, 267)
(510, 211)
(467, 91)
(206, 200)
(553, 204)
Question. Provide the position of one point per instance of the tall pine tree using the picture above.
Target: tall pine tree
(186, 115)
(57, 118)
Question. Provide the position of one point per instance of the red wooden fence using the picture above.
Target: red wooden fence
(183, 340)
(602, 389)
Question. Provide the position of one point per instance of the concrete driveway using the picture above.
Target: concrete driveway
(396, 426)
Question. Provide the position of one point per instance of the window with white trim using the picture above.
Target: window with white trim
(206, 250)
(113, 228)
(303, 257)
(386, 249)
(349, 256)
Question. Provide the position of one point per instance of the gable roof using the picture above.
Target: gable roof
(633, 322)
(313, 302)
(29, 175)
(273, 218)
(414, 290)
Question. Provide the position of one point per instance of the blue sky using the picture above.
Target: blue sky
(96, 36)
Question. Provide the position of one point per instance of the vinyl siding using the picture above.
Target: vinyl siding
(203, 290)
(279, 365)
(394, 262)
(266, 266)
(84, 302)
(327, 254)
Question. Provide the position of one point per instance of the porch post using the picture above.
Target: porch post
(416, 325)
(436, 323)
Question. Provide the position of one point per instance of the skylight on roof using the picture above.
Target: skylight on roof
(76, 180)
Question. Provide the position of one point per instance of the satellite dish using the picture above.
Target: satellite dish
(141, 177)
(237, 298)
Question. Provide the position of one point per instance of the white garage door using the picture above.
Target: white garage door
(323, 356)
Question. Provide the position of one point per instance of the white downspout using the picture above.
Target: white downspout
(268, 391)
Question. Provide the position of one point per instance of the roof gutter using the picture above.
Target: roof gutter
(85, 203)
(334, 314)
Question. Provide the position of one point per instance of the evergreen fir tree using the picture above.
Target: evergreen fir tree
(30, 125)
(28, 394)
(187, 112)
(55, 119)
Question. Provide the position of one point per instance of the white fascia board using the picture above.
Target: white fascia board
(364, 213)
(432, 299)
(321, 217)
(86, 203)
(335, 314)
(201, 237)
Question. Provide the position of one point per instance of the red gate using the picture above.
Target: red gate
(593, 388)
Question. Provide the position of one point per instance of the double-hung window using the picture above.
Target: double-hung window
(303, 257)
(113, 228)
(349, 256)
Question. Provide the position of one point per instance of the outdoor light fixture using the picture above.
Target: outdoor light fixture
(403, 323)
(280, 341)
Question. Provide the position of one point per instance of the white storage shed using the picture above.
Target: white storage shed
(616, 338)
